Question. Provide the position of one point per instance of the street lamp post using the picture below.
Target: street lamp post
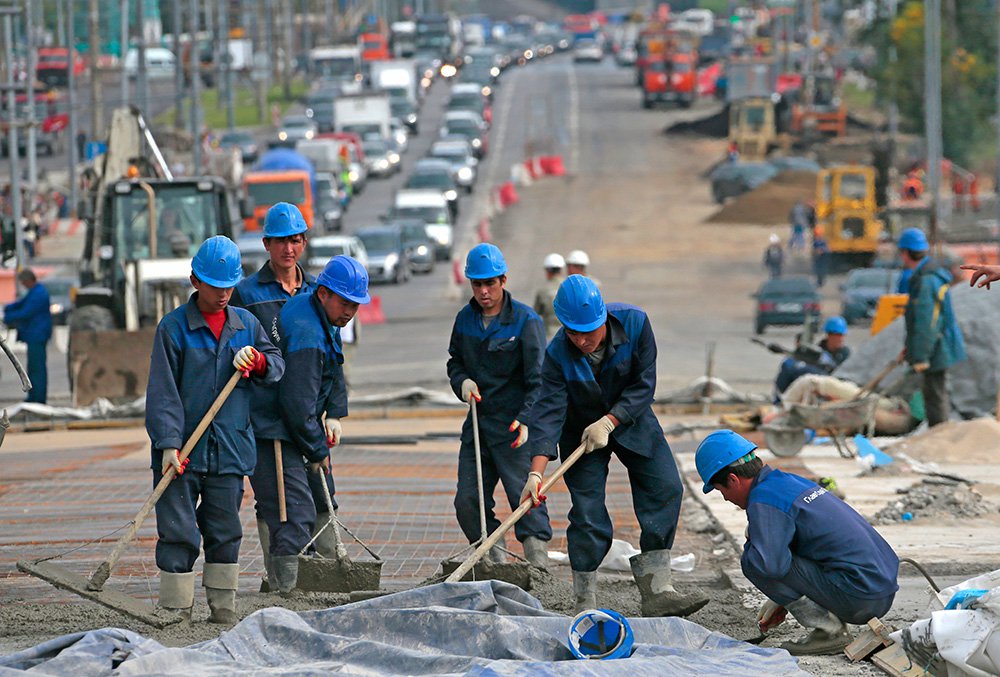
(8, 13)
(932, 107)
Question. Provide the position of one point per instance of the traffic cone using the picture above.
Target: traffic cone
(552, 165)
(484, 231)
(508, 194)
(371, 313)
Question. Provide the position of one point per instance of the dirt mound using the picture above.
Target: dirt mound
(716, 126)
(976, 441)
(770, 203)
(936, 497)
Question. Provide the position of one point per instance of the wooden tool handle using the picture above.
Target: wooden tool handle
(279, 471)
(871, 385)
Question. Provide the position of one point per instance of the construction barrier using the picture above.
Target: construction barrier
(371, 313)
(508, 194)
(457, 273)
(484, 231)
(521, 175)
(552, 165)
(532, 168)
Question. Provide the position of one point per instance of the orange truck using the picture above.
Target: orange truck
(269, 188)
(374, 47)
(673, 78)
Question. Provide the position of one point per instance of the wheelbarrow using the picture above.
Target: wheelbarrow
(786, 436)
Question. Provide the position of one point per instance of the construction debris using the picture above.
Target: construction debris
(935, 497)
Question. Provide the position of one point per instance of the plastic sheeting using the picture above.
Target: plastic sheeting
(482, 628)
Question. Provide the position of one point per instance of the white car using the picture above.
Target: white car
(160, 63)
(320, 250)
(588, 50)
(431, 207)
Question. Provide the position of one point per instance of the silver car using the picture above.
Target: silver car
(458, 151)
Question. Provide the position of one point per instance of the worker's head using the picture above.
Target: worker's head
(726, 461)
(215, 270)
(27, 278)
(284, 235)
(553, 264)
(774, 239)
(341, 288)
(580, 309)
(577, 262)
(836, 329)
(913, 247)
(486, 270)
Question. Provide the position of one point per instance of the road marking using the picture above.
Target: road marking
(574, 121)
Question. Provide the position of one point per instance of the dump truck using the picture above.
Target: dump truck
(847, 213)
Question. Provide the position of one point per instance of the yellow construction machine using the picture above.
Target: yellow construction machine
(752, 127)
(847, 213)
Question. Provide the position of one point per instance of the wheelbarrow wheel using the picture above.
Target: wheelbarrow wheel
(784, 442)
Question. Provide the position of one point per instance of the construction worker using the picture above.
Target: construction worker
(577, 262)
(195, 348)
(495, 357)
(810, 553)
(264, 294)
(833, 343)
(554, 265)
(598, 381)
(308, 333)
(774, 256)
(933, 339)
(31, 315)
(820, 256)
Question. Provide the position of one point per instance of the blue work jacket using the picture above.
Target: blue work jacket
(31, 315)
(188, 369)
(932, 332)
(314, 374)
(571, 397)
(504, 359)
(263, 295)
(790, 516)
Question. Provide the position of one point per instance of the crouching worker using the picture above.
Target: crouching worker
(195, 349)
(807, 550)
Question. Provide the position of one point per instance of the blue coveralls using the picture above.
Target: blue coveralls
(505, 361)
(804, 541)
(188, 369)
(264, 296)
(33, 319)
(314, 379)
(572, 397)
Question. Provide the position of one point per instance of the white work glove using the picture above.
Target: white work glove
(522, 434)
(770, 615)
(532, 489)
(172, 457)
(470, 390)
(333, 431)
(595, 435)
(246, 359)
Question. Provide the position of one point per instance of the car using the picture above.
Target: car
(860, 292)
(61, 292)
(469, 125)
(244, 141)
(794, 163)
(464, 165)
(387, 259)
(627, 55)
(587, 50)
(430, 207)
(471, 100)
(252, 252)
(319, 108)
(786, 301)
(735, 178)
(419, 245)
(319, 251)
(380, 160)
(437, 175)
(328, 203)
(406, 112)
(295, 127)
(160, 63)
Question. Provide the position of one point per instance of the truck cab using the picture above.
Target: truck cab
(670, 78)
(266, 189)
(752, 127)
(846, 210)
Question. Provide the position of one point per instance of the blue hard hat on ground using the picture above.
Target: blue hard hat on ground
(914, 240)
(835, 325)
(217, 262)
(284, 220)
(578, 304)
(345, 277)
(600, 634)
(485, 261)
(719, 449)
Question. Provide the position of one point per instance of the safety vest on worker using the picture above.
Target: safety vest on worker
(188, 369)
(314, 374)
(932, 332)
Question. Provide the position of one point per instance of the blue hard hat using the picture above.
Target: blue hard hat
(283, 220)
(217, 262)
(835, 325)
(719, 449)
(914, 240)
(485, 261)
(345, 277)
(578, 304)
(600, 634)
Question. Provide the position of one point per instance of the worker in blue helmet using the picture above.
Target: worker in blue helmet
(495, 358)
(814, 360)
(598, 382)
(810, 553)
(933, 338)
(195, 349)
(312, 396)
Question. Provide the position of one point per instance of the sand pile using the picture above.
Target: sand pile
(936, 497)
(972, 442)
(769, 204)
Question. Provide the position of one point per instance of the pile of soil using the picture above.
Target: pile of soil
(972, 442)
(715, 126)
(770, 203)
(935, 497)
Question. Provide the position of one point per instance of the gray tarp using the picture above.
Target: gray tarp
(484, 628)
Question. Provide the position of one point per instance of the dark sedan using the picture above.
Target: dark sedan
(735, 178)
(786, 301)
(860, 292)
(387, 259)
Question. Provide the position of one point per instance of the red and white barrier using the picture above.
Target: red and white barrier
(371, 313)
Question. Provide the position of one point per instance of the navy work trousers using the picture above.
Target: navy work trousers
(656, 499)
(290, 536)
(193, 507)
(806, 578)
(38, 373)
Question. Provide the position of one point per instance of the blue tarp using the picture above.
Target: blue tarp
(482, 628)
(278, 159)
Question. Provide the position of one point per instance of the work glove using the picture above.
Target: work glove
(770, 615)
(172, 457)
(595, 435)
(522, 434)
(333, 431)
(921, 367)
(470, 390)
(247, 359)
(532, 489)
(321, 466)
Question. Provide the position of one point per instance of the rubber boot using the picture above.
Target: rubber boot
(264, 534)
(328, 544)
(828, 634)
(496, 554)
(584, 590)
(536, 552)
(177, 593)
(221, 581)
(286, 571)
(651, 571)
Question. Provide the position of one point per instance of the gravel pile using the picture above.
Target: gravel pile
(934, 498)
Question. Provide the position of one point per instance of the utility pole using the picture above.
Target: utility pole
(123, 39)
(286, 80)
(142, 82)
(932, 108)
(74, 194)
(996, 179)
(195, 63)
(307, 33)
(227, 66)
(60, 25)
(8, 14)
(94, 38)
(261, 72)
(178, 67)
(328, 15)
(32, 148)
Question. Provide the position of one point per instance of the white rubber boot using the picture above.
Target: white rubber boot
(221, 582)
(177, 592)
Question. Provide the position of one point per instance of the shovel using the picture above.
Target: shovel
(92, 589)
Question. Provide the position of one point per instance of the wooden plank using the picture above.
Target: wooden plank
(871, 639)
(894, 661)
